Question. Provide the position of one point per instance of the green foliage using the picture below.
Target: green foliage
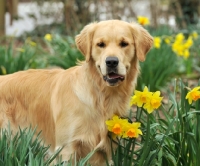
(157, 69)
(184, 138)
(22, 149)
(60, 51)
(26, 148)
(63, 52)
(15, 59)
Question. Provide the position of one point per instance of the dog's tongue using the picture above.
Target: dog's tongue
(114, 75)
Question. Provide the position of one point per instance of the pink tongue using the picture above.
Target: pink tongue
(113, 75)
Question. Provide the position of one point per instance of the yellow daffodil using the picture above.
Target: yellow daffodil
(132, 130)
(116, 125)
(143, 20)
(186, 53)
(177, 48)
(153, 102)
(179, 37)
(32, 43)
(140, 97)
(193, 95)
(181, 46)
(188, 43)
(48, 37)
(150, 101)
(157, 42)
(194, 35)
(168, 39)
(121, 127)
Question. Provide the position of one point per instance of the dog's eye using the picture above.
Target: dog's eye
(123, 44)
(101, 44)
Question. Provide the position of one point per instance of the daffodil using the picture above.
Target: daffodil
(181, 46)
(140, 98)
(121, 127)
(186, 53)
(153, 102)
(132, 130)
(179, 37)
(178, 48)
(32, 43)
(143, 20)
(194, 35)
(193, 95)
(116, 125)
(148, 100)
(157, 42)
(48, 37)
(168, 39)
(188, 43)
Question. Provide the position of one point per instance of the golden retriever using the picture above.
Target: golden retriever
(71, 106)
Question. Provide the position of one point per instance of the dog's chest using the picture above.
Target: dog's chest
(102, 102)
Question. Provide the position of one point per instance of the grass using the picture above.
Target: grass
(22, 149)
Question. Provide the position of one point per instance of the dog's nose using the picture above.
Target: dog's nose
(112, 61)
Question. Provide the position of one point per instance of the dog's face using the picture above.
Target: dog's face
(112, 45)
(112, 50)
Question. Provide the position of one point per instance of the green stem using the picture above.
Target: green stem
(139, 114)
(146, 144)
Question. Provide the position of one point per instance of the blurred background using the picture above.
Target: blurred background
(69, 16)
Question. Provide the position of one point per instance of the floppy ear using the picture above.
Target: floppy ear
(84, 40)
(143, 41)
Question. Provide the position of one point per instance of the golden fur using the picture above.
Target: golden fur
(71, 106)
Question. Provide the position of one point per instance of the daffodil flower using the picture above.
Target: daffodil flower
(140, 97)
(116, 125)
(168, 40)
(153, 102)
(132, 130)
(121, 127)
(188, 43)
(143, 20)
(180, 37)
(193, 95)
(181, 46)
(48, 37)
(157, 42)
(150, 101)
(194, 35)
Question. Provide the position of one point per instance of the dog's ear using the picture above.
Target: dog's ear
(143, 41)
(84, 40)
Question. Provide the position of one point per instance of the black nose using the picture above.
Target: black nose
(112, 61)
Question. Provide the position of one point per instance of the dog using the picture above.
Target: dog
(71, 106)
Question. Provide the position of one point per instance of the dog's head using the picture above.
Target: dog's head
(112, 45)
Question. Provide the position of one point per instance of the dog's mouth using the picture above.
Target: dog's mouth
(112, 78)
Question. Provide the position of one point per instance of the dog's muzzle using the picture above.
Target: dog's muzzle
(112, 76)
